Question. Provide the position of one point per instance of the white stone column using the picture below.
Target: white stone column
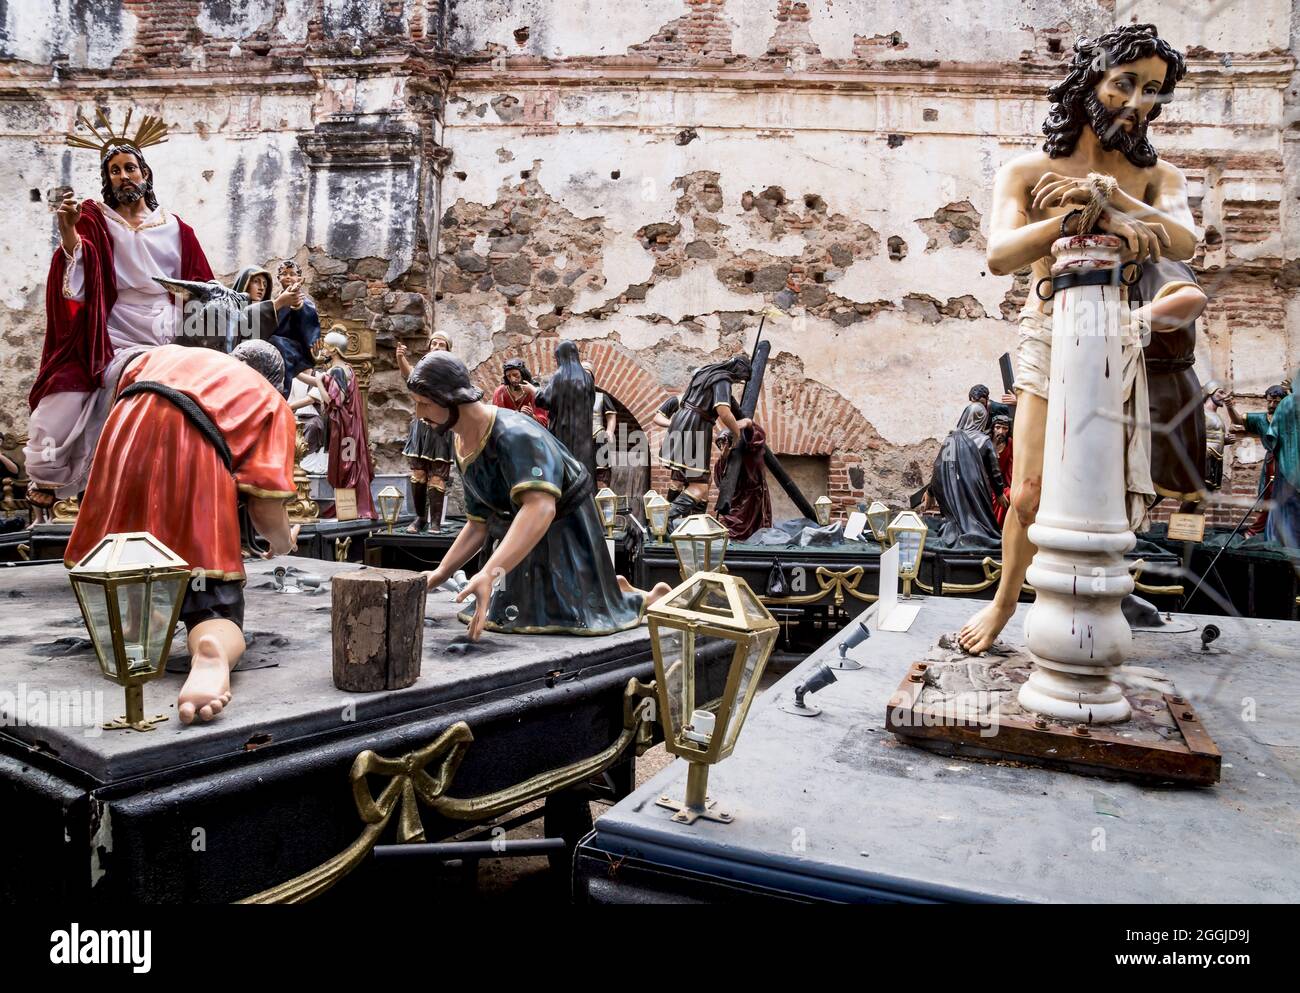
(1075, 630)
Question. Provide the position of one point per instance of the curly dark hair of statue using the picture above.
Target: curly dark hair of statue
(106, 190)
(1093, 57)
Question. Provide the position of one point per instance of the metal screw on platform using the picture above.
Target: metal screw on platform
(1076, 631)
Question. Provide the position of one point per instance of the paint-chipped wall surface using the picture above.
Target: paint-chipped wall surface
(646, 178)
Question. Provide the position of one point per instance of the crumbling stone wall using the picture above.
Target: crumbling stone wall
(647, 179)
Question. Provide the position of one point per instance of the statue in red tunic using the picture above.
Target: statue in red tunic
(238, 447)
(103, 303)
(349, 442)
(517, 392)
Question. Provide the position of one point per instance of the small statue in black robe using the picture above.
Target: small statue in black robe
(568, 399)
(966, 474)
(687, 447)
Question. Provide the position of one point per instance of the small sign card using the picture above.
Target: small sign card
(345, 504)
(854, 528)
(892, 615)
(1186, 527)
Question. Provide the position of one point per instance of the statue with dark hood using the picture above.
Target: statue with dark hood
(568, 399)
(966, 474)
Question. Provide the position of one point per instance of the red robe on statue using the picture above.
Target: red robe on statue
(751, 505)
(1004, 464)
(77, 346)
(154, 471)
(501, 397)
(349, 448)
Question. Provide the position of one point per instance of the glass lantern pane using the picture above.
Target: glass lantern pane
(136, 623)
(717, 549)
(750, 604)
(710, 598)
(94, 599)
(679, 679)
(755, 655)
(686, 549)
(138, 551)
(164, 594)
(700, 549)
(909, 544)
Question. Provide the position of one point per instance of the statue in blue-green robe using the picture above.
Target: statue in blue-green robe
(550, 572)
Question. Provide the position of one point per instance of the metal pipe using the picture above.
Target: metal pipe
(697, 783)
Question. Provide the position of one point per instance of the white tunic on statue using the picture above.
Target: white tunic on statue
(65, 427)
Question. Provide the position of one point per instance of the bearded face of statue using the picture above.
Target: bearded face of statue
(127, 177)
(1120, 105)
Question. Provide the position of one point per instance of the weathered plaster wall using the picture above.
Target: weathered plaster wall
(647, 178)
(652, 192)
(297, 129)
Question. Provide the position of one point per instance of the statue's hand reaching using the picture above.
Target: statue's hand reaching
(480, 588)
(69, 213)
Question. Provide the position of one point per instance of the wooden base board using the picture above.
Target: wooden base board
(1192, 759)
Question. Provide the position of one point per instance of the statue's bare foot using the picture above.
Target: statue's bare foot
(650, 597)
(415, 527)
(207, 689)
(983, 629)
(658, 593)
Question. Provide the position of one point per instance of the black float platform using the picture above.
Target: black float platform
(835, 808)
(217, 812)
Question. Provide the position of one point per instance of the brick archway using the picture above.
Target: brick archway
(801, 417)
(617, 373)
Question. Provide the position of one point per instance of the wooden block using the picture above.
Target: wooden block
(377, 618)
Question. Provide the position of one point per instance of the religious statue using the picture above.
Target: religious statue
(518, 392)
(288, 320)
(751, 504)
(1283, 443)
(1097, 170)
(966, 474)
(568, 399)
(1004, 445)
(1169, 300)
(604, 431)
(1216, 437)
(688, 443)
(348, 439)
(215, 432)
(428, 452)
(102, 297)
(297, 326)
(550, 572)
(1259, 424)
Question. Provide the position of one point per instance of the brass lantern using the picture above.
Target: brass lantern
(823, 509)
(700, 544)
(607, 504)
(656, 513)
(130, 587)
(645, 502)
(878, 518)
(390, 505)
(696, 727)
(908, 531)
